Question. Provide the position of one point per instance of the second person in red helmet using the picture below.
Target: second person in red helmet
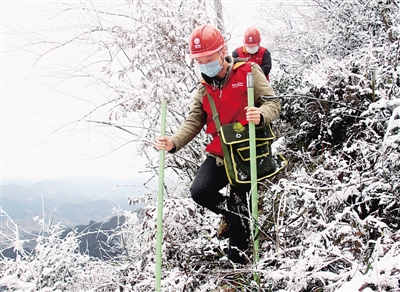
(252, 50)
(224, 79)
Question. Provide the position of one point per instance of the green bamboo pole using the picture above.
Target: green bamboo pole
(253, 173)
(160, 199)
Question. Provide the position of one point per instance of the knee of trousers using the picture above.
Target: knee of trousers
(198, 196)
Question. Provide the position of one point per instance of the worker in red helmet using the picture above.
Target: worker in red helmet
(224, 79)
(252, 50)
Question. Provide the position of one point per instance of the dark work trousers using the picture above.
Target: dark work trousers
(205, 191)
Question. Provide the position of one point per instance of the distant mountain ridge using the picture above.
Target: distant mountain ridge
(69, 202)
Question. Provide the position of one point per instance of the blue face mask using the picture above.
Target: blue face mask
(211, 69)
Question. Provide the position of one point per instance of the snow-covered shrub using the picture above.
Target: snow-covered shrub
(54, 264)
(328, 222)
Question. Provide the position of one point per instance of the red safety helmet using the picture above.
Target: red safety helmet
(252, 37)
(205, 40)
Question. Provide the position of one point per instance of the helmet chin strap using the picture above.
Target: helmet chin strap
(220, 79)
(220, 55)
(223, 59)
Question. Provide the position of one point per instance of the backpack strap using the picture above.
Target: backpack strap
(227, 157)
(215, 113)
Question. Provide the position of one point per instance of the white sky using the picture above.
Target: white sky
(31, 111)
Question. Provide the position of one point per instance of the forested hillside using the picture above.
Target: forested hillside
(329, 221)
